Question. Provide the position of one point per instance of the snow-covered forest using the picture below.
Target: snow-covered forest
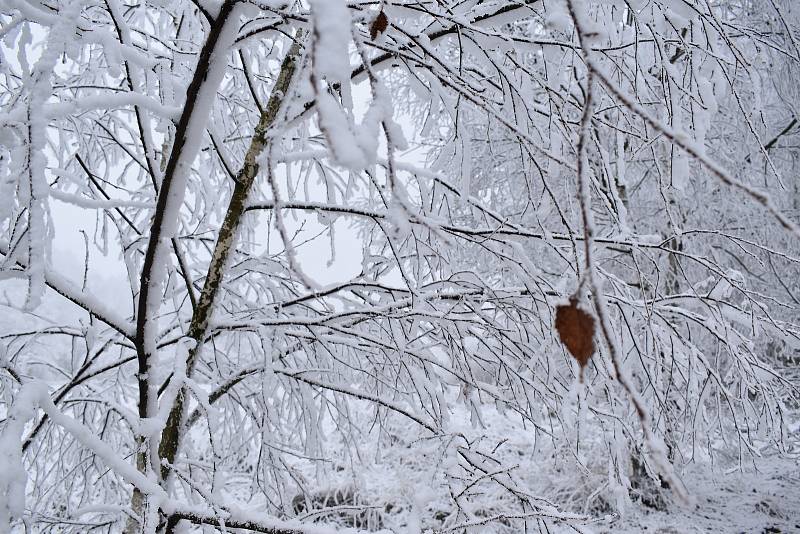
(400, 266)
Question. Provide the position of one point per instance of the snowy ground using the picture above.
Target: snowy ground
(766, 500)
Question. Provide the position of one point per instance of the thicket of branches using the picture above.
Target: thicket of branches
(490, 159)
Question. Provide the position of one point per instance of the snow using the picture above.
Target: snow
(683, 140)
(754, 499)
(89, 440)
(332, 44)
(385, 321)
(92, 203)
(84, 299)
(345, 149)
(12, 476)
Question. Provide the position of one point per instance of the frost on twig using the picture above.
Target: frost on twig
(360, 252)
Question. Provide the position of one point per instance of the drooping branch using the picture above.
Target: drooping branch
(82, 298)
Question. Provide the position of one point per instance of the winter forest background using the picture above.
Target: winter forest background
(319, 266)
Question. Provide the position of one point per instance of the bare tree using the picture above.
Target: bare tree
(487, 160)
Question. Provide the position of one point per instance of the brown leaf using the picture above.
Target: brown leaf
(378, 25)
(576, 329)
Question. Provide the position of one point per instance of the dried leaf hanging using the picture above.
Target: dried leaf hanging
(576, 329)
(378, 25)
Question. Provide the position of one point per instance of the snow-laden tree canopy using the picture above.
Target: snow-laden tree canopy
(294, 266)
